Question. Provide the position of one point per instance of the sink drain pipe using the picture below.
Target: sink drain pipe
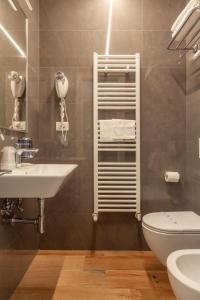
(39, 221)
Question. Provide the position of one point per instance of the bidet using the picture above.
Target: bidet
(184, 273)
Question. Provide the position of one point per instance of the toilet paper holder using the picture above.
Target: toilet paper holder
(172, 177)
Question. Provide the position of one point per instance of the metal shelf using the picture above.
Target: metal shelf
(189, 39)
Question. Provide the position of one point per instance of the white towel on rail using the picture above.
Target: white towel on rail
(123, 129)
(182, 18)
(106, 128)
(117, 130)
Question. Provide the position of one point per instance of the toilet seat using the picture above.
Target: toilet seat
(185, 222)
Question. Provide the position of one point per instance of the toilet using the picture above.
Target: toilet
(166, 232)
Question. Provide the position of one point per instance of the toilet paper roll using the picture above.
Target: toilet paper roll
(172, 177)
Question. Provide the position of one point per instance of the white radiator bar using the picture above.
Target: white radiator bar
(115, 187)
(116, 99)
(114, 163)
(117, 107)
(116, 201)
(116, 177)
(121, 64)
(114, 145)
(116, 168)
(100, 56)
(122, 70)
(119, 193)
(119, 93)
(116, 196)
(116, 205)
(116, 89)
(117, 173)
(116, 183)
(116, 103)
(113, 84)
(117, 210)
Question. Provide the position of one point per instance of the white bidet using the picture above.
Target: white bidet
(184, 273)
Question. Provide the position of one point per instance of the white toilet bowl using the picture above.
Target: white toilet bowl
(166, 232)
(184, 274)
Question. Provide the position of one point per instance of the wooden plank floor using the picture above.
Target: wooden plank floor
(106, 275)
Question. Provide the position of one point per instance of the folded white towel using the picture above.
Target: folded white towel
(106, 128)
(182, 18)
(123, 129)
(117, 130)
(185, 31)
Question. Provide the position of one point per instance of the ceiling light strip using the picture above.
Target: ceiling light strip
(11, 39)
(109, 28)
(29, 4)
(12, 5)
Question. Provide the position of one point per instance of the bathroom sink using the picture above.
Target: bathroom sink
(35, 180)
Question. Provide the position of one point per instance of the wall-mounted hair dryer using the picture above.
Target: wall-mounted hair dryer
(62, 86)
(17, 85)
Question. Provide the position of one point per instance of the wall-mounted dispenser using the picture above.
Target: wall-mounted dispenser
(17, 85)
(62, 85)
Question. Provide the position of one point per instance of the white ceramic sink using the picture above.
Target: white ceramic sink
(35, 180)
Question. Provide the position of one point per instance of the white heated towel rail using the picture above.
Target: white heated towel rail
(116, 88)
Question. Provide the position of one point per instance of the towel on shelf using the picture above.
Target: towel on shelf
(123, 129)
(105, 130)
(185, 31)
(184, 12)
(182, 18)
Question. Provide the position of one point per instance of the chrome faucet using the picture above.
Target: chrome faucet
(20, 151)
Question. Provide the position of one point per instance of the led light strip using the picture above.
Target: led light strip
(109, 28)
(12, 41)
(12, 5)
(29, 4)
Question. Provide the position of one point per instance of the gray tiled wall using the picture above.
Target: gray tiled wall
(70, 32)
